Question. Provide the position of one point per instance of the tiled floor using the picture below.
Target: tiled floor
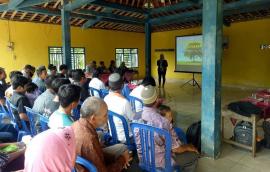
(186, 101)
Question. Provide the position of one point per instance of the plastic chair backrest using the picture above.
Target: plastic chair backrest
(112, 115)
(126, 91)
(86, 164)
(133, 101)
(147, 140)
(43, 122)
(32, 116)
(12, 108)
(92, 92)
(104, 92)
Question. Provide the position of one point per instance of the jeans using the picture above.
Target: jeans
(8, 133)
(161, 74)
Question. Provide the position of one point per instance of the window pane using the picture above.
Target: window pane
(134, 59)
(119, 50)
(119, 59)
(127, 55)
(135, 51)
(77, 57)
(126, 50)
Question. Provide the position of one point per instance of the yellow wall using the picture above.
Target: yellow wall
(244, 63)
(32, 41)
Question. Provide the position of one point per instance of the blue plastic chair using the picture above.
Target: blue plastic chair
(133, 101)
(3, 112)
(104, 92)
(92, 92)
(113, 131)
(126, 91)
(32, 116)
(43, 122)
(86, 164)
(20, 127)
(147, 145)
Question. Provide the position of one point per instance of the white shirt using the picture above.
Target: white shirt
(136, 92)
(97, 84)
(120, 105)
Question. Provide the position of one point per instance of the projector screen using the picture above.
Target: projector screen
(189, 54)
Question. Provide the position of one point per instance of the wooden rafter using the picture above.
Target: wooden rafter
(3, 14)
(23, 15)
(13, 15)
(33, 17)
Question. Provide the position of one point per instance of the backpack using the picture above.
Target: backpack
(266, 129)
(243, 133)
(193, 135)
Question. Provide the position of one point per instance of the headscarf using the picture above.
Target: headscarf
(52, 150)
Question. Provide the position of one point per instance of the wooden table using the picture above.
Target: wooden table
(253, 119)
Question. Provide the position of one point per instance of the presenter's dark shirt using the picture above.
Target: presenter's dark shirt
(162, 65)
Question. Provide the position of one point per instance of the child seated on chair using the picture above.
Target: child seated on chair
(166, 112)
(184, 155)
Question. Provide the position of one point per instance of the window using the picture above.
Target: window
(127, 55)
(77, 57)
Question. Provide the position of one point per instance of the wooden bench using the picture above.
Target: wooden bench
(253, 119)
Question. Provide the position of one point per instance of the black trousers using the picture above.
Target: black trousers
(161, 74)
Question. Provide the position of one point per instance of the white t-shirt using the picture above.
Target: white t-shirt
(120, 105)
(136, 92)
(97, 84)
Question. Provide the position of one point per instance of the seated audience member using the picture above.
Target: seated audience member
(88, 75)
(28, 71)
(80, 80)
(18, 97)
(52, 70)
(93, 65)
(112, 66)
(122, 69)
(53, 105)
(53, 150)
(186, 155)
(32, 92)
(136, 92)
(46, 97)
(117, 103)
(8, 133)
(69, 75)
(9, 91)
(3, 85)
(63, 69)
(40, 79)
(94, 115)
(102, 68)
(69, 97)
(12, 161)
(97, 83)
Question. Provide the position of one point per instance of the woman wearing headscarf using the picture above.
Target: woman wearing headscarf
(52, 150)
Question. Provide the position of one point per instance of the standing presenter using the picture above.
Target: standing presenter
(162, 68)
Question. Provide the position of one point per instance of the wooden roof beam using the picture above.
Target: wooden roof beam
(110, 16)
(77, 4)
(229, 9)
(181, 5)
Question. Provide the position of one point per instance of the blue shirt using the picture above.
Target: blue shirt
(40, 83)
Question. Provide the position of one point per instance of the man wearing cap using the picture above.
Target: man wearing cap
(117, 103)
(186, 155)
